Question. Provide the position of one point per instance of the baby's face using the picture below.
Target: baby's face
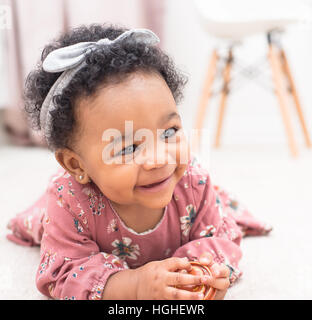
(131, 137)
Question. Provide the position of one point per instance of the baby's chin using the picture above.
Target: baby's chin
(158, 203)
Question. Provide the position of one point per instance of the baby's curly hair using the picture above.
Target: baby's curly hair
(110, 65)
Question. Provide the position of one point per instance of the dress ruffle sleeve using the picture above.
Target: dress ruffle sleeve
(210, 228)
(72, 266)
(215, 221)
(26, 226)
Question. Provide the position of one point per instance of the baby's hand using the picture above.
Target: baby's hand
(220, 272)
(157, 280)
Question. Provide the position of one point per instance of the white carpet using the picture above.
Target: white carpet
(277, 188)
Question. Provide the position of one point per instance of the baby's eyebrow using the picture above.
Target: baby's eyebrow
(168, 117)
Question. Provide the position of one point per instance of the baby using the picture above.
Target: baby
(130, 206)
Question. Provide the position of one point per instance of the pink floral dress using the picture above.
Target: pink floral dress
(83, 240)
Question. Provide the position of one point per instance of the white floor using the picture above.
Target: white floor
(277, 188)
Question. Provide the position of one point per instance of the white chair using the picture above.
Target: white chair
(232, 21)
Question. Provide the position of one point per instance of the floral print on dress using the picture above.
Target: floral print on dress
(48, 260)
(71, 192)
(96, 202)
(60, 201)
(28, 220)
(115, 261)
(208, 231)
(234, 272)
(188, 220)
(233, 204)
(97, 291)
(100, 208)
(119, 264)
(218, 204)
(89, 192)
(228, 231)
(69, 298)
(82, 215)
(46, 218)
(112, 227)
(28, 224)
(78, 225)
(202, 180)
(124, 249)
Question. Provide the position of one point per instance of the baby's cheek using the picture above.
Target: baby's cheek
(182, 152)
(117, 182)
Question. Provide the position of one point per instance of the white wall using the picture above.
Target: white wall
(3, 91)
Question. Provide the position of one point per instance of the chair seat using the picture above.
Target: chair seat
(238, 30)
(237, 19)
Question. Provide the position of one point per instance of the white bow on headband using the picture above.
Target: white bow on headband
(71, 59)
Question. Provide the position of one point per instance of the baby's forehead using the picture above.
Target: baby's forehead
(145, 100)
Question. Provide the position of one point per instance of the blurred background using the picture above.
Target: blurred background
(263, 155)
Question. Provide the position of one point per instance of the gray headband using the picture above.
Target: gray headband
(70, 60)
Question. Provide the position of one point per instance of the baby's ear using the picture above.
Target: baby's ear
(70, 161)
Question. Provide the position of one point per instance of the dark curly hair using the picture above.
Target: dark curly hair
(106, 66)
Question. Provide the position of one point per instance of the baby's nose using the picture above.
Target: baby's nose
(155, 158)
(154, 161)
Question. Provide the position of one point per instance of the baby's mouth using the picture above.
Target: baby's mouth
(156, 186)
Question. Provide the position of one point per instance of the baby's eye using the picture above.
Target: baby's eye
(127, 150)
(169, 133)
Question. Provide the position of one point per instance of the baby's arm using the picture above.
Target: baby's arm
(211, 231)
(72, 266)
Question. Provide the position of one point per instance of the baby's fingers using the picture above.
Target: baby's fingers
(220, 271)
(172, 293)
(174, 263)
(217, 283)
(206, 259)
(182, 279)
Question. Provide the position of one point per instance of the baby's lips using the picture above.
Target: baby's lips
(200, 270)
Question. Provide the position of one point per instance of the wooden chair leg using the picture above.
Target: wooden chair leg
(293, 90)
(206, 93)
(224, 95)
(280, 92)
